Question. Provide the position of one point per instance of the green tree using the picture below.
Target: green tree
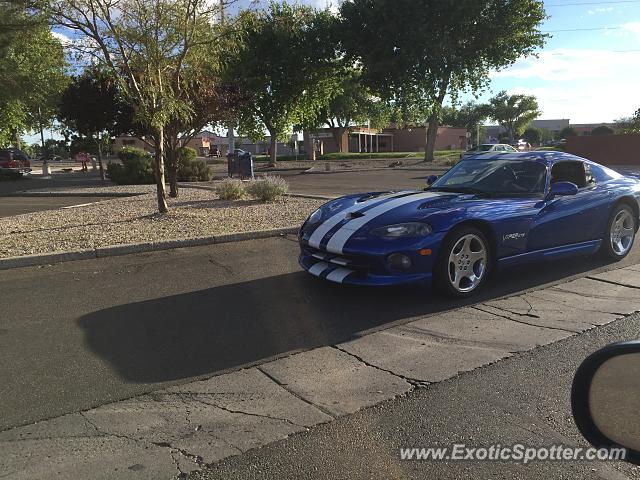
(533, 135)
(630, 124)
(32, 71)
(602, 130)
(470, 116)
(567, 132)
(417, 51)
(146, 45)
(284, 64)
(513, 112)
(91, 106)
(354, 104)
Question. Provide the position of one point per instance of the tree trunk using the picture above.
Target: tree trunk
(338, 133)
(16, 138)
(100, 159)
(274, 150)
(172, 169)
(432, 130)
(159, 162)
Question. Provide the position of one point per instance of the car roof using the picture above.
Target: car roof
(541, 156)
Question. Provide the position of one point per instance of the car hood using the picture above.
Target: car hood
(372, 210)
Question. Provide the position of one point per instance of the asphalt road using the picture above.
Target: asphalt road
(18, 205)
(81, 334)
(524, 399)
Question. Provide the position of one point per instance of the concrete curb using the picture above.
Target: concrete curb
(127, 249)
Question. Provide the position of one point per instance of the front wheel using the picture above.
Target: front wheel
(463, 264)
(621, 232)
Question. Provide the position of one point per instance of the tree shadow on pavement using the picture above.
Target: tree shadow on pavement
(222, 328)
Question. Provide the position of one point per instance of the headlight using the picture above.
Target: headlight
(411, 229)
(315, 217)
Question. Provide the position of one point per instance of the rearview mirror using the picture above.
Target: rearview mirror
(431, 179)
(605, 398)
(561, 189)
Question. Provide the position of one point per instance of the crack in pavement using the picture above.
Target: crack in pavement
(415, 382)
(602, 297)
(197, 459)
(527, 323)
(515, 313)
(611, 282)
(291, 392)
(241, 412)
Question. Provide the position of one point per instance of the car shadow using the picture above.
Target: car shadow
(226, 327)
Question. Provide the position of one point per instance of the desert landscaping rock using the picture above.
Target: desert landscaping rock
(119, 222)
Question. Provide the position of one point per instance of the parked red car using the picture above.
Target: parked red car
(14, 162)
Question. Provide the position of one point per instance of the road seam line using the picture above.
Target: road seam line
(414, 382)
(573, 332)
(611, 282)
(300, 397)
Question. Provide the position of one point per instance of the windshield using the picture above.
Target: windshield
(481, 148)
(494, 177)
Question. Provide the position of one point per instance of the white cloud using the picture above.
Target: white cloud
(600, 10)
(633, 27)
(64, 40)
(583, 85)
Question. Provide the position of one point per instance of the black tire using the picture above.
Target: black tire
(442, 272)
(607, 248)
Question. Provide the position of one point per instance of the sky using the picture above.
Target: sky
(588, 71)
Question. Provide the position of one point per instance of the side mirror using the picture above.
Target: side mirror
(605, 399)
(562, 189)
(431, 179)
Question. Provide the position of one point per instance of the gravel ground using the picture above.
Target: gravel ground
(196, 213)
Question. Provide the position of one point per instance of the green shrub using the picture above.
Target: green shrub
(230, 189)
(190, 169)
(136, 168)
(268, 188)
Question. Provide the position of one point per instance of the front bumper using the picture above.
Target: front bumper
(370, 267)
(339, 274)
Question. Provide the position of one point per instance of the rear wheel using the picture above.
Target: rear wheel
(621, 232)
(463, 264)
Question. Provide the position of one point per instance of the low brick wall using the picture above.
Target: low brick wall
(607, 149)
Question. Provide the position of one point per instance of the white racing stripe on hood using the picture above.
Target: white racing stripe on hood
(323, 229)
(338, 240)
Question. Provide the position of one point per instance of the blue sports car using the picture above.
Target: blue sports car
(490, 210)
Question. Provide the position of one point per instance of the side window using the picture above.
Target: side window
(569, 171)
(589, 178)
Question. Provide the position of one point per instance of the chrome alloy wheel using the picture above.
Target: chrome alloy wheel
(467, 263)
(622, 232)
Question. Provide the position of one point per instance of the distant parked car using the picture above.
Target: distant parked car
(521, 146)
(488, 148)
(14, 162)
